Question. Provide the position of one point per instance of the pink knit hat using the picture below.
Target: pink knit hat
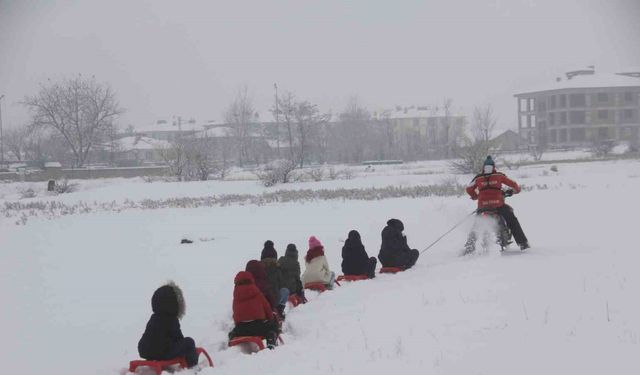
(314, 242)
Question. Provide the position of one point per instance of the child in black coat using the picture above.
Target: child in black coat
(394, 251)
(162, 338)
(355, 260)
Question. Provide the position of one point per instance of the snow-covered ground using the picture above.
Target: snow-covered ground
(77, 289)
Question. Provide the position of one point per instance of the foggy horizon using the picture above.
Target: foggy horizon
(188, 59)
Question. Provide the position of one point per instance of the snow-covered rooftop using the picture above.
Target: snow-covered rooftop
(216, 132)
(141, 143)
(596, 80)
(171, 125)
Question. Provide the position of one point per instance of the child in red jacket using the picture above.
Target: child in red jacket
(251, 311)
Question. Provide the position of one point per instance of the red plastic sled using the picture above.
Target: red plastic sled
(255, 340)
(390, 270)
(352, 277)
(158, 366)
(317, 286)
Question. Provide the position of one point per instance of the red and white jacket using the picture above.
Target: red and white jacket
(487, 189)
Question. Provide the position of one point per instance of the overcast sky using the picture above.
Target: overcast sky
(188, 58)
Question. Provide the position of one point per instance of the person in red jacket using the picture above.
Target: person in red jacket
(252, 312)
(486, 188)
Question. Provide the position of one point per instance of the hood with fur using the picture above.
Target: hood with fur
(168, 299)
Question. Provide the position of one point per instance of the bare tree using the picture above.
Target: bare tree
(308, 121)
(239, 115)
(356, 121)
(80, 109)
(175, 157)
(475, 149)
(16, 141)
(287, 109)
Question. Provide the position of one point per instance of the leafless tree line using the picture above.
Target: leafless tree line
(74, 117)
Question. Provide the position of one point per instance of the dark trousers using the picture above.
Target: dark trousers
(371, 267)
(262, 328)
(512, 222)
(184, 348)
(412, 257)
(405, 259)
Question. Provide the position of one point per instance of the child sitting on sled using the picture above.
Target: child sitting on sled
(162, 338)
(290, 268)
(355, 260)
(269, 258)
(251, 312)
(317, 268)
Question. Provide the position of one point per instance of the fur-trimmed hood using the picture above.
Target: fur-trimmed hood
(168, 299)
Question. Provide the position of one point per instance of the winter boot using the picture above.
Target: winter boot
(524, 246)
(272, 340)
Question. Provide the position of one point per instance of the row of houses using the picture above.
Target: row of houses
(435, 131)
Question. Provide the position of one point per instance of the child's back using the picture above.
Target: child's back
(248, 302)
(162, 338)
(251, 312)
(317, 267)
(355, 260)
(290, 268)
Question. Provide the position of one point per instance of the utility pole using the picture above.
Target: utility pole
(275, 86)
(1, 136)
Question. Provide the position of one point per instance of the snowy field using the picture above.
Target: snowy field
(77, 288)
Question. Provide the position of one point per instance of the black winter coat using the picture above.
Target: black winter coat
(163, 328)
(355, 260)
(274, 275)
(290, 270)
(394, 251)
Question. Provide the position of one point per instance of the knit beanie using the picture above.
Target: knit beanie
(268, 251)
(489, 161)
(314, 242)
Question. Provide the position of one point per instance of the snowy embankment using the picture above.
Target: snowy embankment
(76, 289)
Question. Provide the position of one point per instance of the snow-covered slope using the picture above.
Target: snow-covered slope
(76, 290)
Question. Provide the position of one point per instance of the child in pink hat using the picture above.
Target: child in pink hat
(317, 268)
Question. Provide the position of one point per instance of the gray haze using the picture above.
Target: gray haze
(188, 58)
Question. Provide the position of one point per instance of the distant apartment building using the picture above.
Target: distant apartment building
(582, 108)
(425, 131)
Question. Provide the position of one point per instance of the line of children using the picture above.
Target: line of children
(262, 291)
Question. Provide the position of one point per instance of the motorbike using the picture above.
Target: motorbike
(498, 229)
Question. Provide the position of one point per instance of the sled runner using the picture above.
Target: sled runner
(319, 286)
(250, 344)
(295, 300)
(390, 269)
(158, 366)
(352, 277)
